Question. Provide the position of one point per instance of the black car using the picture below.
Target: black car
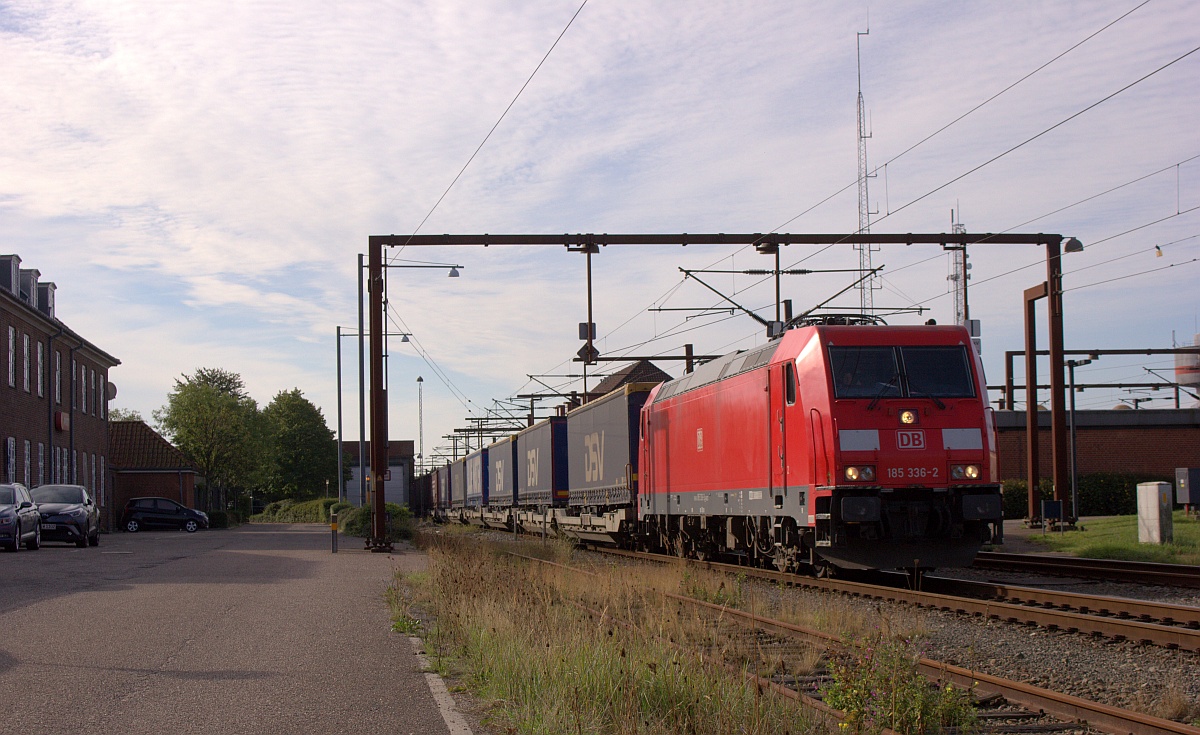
(19, 519)
(68, 514)
(147, 513)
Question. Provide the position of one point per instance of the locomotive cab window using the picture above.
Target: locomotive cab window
(865, 372)
(942, 372)
(789, 383)
(895, 372)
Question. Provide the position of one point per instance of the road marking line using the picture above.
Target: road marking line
(451, 716)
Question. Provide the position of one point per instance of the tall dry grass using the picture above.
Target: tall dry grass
(557, 651)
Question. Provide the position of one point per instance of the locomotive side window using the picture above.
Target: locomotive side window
(789, 383)
(938, 371)
(864, 372)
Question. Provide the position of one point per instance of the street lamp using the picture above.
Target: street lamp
(1071, 365)
(420, 420)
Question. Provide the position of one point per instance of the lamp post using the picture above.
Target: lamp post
(420, 421)
(1071, 365)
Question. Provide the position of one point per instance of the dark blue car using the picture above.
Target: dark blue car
(19, 519)
(68, 514)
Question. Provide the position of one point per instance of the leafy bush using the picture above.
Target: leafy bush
(357, 522)
(289, 511)
(878, 686)
(1100, 494)
(340, 509)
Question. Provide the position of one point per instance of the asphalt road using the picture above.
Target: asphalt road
(258, 629)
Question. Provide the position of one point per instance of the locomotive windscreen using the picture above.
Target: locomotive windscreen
(892, 372)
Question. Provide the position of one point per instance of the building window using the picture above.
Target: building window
(58, 377)
(95, 396)
(41, 370)
(103, 500)
(10, 460)
(103, 402)
(25, 364)
(93, 485)
(12, 359)
(74, 466)
(28, 462)
(41, 463)
(82, 389)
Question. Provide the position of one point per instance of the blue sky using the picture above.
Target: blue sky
(199, 178)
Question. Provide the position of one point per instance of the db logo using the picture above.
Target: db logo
(910, 440)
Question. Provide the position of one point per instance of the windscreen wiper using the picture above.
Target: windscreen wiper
(922, 394)
(886, 387)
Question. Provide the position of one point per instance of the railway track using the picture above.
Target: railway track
(1173, 575)
(1005, 706)
(1091, 615)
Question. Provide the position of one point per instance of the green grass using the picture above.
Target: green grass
(1116, 537)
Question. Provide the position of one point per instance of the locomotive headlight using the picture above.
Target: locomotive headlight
(863, 473)
(964, 471)
(908, 417)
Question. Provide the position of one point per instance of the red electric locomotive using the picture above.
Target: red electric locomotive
(850, 446)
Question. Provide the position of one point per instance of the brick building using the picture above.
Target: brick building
(145, 464)
(1152, 442)
(54, 390)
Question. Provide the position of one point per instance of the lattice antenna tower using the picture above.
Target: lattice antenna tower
(867, 286)
(959, 273)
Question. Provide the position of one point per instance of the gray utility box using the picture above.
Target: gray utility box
(1154, 513)
(1187, 485)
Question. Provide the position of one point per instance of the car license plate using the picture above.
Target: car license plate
(48, 527)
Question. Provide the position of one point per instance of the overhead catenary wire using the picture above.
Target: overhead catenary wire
(496, 125)
(679, 329)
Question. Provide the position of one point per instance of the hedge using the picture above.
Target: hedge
(1100, 494)
(357, 522)
(352, 521)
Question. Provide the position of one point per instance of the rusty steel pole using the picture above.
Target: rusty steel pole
(378, 539)
(1058, 388)
(1031, 414)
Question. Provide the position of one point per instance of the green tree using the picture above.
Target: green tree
(212, 420)
(301, 448)
(124, 414)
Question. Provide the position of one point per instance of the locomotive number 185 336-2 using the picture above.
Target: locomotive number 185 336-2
(912, 473)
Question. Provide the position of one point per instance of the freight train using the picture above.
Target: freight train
(833, 446)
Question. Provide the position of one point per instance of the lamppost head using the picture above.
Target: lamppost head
(1072, 245)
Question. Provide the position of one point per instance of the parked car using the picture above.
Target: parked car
(19, 519)
(68, 514)
(147, 513)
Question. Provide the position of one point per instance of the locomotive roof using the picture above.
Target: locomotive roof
(745, 360)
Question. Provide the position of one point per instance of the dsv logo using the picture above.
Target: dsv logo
(531, 467)
(498, 473)
(593, 457)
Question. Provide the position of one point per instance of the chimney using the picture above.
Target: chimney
(10, 273)
(29, 286)
(46, 298)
